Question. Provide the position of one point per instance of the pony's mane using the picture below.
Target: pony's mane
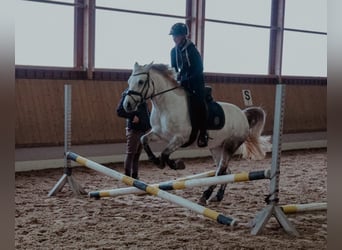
(165, 71)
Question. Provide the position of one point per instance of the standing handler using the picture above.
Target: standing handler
(138, 123)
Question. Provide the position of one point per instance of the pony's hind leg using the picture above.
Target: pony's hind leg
(223, 157)
(229, 148)
(221, 170)
(216, 154)
(206, 195)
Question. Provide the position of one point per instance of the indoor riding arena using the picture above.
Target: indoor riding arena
(259, 183)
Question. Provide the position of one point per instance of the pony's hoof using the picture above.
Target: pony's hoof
(214, 199)
(202, 201)
(180, 164)
(161, 166)
(176, 165)
(155, 161)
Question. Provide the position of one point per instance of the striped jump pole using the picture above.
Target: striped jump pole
(182, 184)
(296, 208)
(210, 173)
(133, 190)
(211, 214)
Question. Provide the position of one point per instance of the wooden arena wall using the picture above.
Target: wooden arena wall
(40, 109)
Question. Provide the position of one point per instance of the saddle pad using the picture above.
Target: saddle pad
(216, 119)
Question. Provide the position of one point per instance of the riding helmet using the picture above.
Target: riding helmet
(179, 29)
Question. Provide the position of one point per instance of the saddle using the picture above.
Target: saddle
(215, 118)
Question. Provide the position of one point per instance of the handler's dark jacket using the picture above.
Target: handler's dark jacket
(186, 60)
(142, 113)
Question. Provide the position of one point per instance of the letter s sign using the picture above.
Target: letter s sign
(247, 97)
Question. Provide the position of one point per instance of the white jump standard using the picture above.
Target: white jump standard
(182, 184)
(220, 218)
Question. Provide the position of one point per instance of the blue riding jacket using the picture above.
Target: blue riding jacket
(186, 60)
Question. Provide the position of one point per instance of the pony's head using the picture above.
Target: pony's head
(139, 87)
(148, 81)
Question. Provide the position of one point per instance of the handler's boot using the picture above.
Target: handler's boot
(135, 176)
(127, 172)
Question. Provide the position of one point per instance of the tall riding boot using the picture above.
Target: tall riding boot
(202, 140)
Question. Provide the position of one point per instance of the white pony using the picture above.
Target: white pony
(171, 123)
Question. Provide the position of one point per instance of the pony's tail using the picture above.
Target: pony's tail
(256, 145)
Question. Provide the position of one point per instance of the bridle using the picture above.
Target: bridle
(146, 87)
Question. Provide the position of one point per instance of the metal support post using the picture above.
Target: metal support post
(67, 176)
(272, 208)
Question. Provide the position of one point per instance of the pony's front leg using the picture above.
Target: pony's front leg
(174, 144)
(145, 140)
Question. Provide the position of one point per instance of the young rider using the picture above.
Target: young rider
(187, 61)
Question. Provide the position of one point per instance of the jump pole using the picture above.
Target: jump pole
(182, 184)
(211, 214)
(196, 176)
(133, 190)
(310, 207)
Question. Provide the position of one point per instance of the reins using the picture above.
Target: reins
(162, 92)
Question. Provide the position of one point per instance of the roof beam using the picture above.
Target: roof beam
(84, 32)
(195, 12)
